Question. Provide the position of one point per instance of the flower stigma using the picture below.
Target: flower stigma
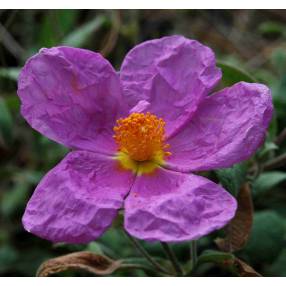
(141, 142)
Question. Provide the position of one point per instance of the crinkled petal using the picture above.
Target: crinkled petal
(78, 199)
(173, 74)
(72, 96)
(228, 127)
(171, 206)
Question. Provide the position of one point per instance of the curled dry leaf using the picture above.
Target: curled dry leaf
(83, 260)
(245, 270)
(227, 261)
(238, 230)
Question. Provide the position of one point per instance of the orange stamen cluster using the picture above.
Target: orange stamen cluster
(141, 136)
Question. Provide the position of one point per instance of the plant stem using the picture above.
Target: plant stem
(275, 163)
(144, 253)
(138, 266)
(194, 254)
(281, 137)
(170, 254)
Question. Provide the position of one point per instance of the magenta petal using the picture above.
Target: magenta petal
(228, 127)
(71, 96)
(173, 74)
(78, 199)
(171, 206)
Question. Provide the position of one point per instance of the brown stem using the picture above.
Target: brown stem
(281, 137)
(275, 163)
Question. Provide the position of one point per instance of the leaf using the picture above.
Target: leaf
(217, 257)
(83, 260)
(228, 261)
(232, 75)
(278, 267)
(10, 73)
(267, 181)
(94, 247)
(8, 257)
(271, 29)
(232, 178)
(267, 148)
(67, 19)
(82, 34)
(6, 124)
(266, 239)
(278, 59)
(244, 270)
(238, 230)
(54, 25)
(47, 36)
(15, 197)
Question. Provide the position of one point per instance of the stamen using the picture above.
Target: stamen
(141, 136)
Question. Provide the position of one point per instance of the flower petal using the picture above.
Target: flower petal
(228, 127)
(171, 206)
(78, 199)
(173, 74)
(71, 96)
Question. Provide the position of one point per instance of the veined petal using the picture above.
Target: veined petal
(72, 96)
(228, 127)
(78, 199)
(172, 207)
(173, 74)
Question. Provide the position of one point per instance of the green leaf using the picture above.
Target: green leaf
(54, 25)
(82, 34)
(266, 238)
(232, 178)
(266, 149)
(6, 124)
(94, 247)
(232, 75)
(47, 35)
(267, 181)
(271, 29)
(10, 73)
(8, 256)
(13, 103)
(15, 198)
(272, 129)
(213, 256)
(278, 59)
(278, 267)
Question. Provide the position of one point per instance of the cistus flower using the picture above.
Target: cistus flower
(135, 137)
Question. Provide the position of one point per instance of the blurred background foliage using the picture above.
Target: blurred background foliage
(243, 40)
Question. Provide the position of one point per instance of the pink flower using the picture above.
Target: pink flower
(170, 126)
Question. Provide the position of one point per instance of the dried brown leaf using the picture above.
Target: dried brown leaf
(83, 260)
(245, 270)
(238, 230)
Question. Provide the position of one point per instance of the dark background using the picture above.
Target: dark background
(251, 40)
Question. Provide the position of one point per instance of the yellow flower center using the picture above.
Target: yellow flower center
(140, 139)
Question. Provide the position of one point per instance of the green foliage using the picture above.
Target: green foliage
(278, 266)
(272, 29)
(267, 181)
(9, 73)
(8, 257)
(6, 124)
(232, 178)
(54, 25)
(232, 74)
(213, 256)
(82, 34)
(267, 237)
